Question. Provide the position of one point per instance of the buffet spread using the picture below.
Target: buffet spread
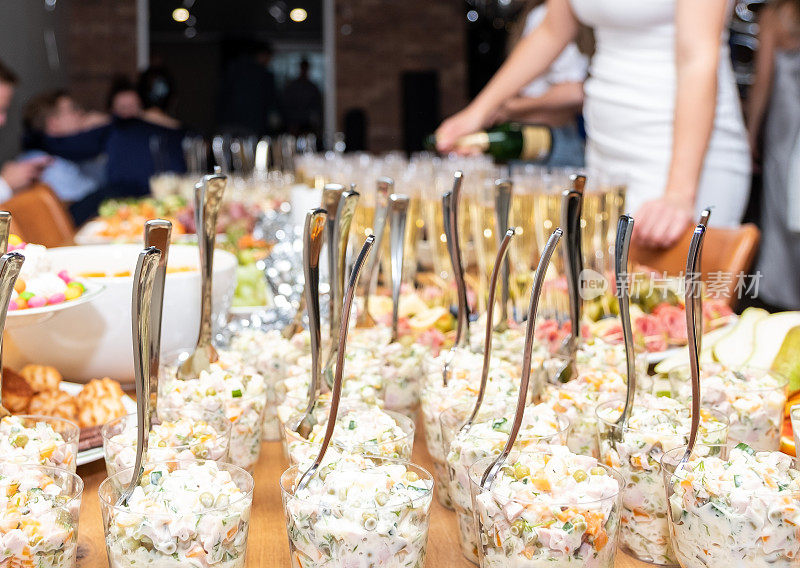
(381, 416)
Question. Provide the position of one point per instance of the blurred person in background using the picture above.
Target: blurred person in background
(555, 98)
(248, 98)
(156, 93)
(52, 114)
(17, 175)
(123, 99)
(661, 106)
(302, 104)
(774, 106)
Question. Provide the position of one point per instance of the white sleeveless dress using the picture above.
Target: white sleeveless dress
(630, 103)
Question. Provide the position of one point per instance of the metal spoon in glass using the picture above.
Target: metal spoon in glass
(370, 280)
(536, 292)
(694, 312)
(462, 319)
(10, 265)
(487, 347)
(157, 233)
(336, 393)
(621, 249)
(313, 237)
(502, 203)
(331, 199)
(207, 202)
(344, 217)
(5, 229)
(398, 205)
(141, 310)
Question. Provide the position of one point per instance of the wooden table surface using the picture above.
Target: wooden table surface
(268, 544)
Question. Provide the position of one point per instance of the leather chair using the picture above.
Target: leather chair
(39, 217)
(727, 251)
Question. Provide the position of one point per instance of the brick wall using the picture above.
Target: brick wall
(101, 42)
(378, 40)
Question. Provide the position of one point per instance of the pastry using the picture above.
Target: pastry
(99, 402)
(57, 403)
(17, 393)
(41, 378)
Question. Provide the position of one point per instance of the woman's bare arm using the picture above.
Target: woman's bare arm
(699, 27)
(559, 97)
(533, 55)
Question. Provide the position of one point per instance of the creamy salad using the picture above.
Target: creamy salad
(360, 429)
(183, 439)
(656, 425)
(34, 440)
(546, 510)
(487, 437)
(38, 516)
(462, 388)
(194, 515)
(578, 399)
(241, 395)
(752, 399)
(358, 512)
(741, 511)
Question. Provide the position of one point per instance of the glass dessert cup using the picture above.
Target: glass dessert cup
(635, 452)
(43, 440)
(487, 437)
(239, 394)
(753, 399)
(367, 439)
(724, 520)
(173, 437)
(532, 527)
(353, 525)
(39, 508)
(184, 513)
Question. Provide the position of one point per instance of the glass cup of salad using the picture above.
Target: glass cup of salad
(547, 508)
(487, 436)
(656, 425)
(183, 513)
(39, 507)
(733, 506)
(173, 436)
(358, 511)
(360, 429)
(42, 440)
(753, 399)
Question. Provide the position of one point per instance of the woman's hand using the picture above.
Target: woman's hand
(661, 222)
(464, 122)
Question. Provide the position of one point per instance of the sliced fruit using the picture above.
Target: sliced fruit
(427, 319)
(410, 304)
(382, 305)
(769, 335)
(787, 439)
(787, 361)
(682, 357)
(736, 346)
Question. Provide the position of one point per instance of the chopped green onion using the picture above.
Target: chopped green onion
(237, 393)
(745, 448)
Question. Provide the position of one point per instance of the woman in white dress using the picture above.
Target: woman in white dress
(661, 106)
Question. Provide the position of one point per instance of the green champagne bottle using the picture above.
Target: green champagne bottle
(508, 141)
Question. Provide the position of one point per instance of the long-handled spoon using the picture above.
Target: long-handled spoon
(621, 249)
(331, 195)
(705, 215)
(141, 305)
(462, 339)
(336, 392)
(207, 202)
(502, 204)
(536, 292)
(382, 193)
(5, 229)
(313, 237)
(694, 311)
(397, 240)
(157, 233)
(10, 265)
(344, 217)
(487, 348)
(571, 207)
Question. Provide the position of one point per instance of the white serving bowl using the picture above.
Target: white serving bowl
(94, 339)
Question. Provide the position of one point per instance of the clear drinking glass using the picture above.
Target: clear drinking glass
(39, 508)
(199, 516)
(43, 440)
(537, 528)
(335, 529)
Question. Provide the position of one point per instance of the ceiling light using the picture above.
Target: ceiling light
(298, 15)
(180, 14)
